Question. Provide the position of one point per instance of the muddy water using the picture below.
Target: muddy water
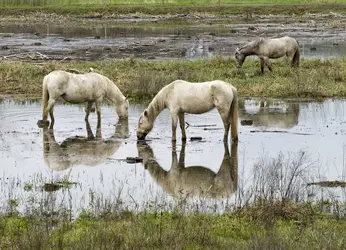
(217, 173)
(162, 42)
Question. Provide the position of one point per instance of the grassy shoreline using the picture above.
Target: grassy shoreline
(141, 80)
(170, 230)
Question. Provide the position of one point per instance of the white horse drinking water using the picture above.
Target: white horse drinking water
(194, 98)
(266, 48)
(80, 88)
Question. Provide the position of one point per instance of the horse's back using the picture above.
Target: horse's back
(285, 42)
(60, 76)
(56, 76)
(197, 98)
(75, 88)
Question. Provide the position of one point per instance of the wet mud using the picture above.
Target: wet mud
(320, 36)
(198, 169)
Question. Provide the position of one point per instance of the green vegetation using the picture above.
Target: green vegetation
(169, 230)
(141, 80)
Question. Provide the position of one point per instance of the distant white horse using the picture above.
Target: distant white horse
(266, 48)
(80, 88)
(182, 97)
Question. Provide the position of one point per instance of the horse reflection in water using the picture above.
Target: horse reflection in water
(270, 113)
(194, 181)
(79, 150)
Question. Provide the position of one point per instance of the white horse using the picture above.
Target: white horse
(194, 98)
(266, 48)
(80, 88)
(194, 181)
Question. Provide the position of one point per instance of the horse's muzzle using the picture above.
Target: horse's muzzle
(142, 137)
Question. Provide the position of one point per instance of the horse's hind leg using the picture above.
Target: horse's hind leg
(290, 59)
(182, 126)
(49, 109)
(52, 120)
(98, 110)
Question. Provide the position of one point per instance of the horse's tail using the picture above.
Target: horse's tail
(234, 115)
(45, 97)
(296, 57)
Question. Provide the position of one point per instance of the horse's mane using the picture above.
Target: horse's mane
(159, 102)
(254, 43)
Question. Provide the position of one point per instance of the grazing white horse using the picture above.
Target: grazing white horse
(193, 181)
(80, 88)
(266, 48)
(182, 97)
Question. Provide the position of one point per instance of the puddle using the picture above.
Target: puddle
(44, 42)
(200, 169)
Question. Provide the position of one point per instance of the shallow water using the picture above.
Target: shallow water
(29, 156)
(161, 42)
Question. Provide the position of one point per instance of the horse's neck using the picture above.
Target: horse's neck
(248, 51)
(251, 48)
(157, 105)
(113, 93)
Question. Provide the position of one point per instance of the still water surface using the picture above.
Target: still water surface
(207, 169)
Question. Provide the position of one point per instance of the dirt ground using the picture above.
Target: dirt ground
(53, 37)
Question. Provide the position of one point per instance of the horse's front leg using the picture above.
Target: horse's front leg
(269, 64)
(262, 65)
(182, 126)
(174, 126)
(87, 110)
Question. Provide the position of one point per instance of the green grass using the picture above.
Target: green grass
(141, 80)
(170, 230)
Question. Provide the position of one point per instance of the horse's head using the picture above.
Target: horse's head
(144, 125)
(123, 109)
(239, 57)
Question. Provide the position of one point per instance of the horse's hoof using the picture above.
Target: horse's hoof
(42, 123)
